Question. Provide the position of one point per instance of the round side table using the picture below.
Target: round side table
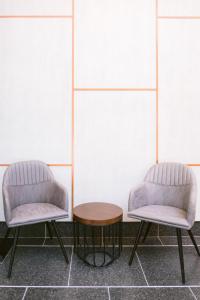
(97, 233)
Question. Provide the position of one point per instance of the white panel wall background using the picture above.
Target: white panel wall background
(100, 90)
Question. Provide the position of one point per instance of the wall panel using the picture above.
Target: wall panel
(35, 89)
(35, 7)
(115, 44)
(179, 93)
(179, 7)
(114, 144)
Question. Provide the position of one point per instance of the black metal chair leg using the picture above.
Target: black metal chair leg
(136, 241)
(180, 248)
(16, 235)
(146, 232)
(49, 230)
(60, 241)
(193, 241)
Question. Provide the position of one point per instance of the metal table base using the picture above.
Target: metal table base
(98, 246)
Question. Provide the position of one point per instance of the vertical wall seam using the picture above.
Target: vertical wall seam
(157, 131)
(72, 204)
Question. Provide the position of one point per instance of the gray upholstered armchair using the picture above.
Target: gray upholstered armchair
(167, 196)
(31, 195)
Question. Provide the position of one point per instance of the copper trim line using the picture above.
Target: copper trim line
(50, 165)
(35, 17)
(72, 104)
(157, 107)
(180, 17)
(115, 89)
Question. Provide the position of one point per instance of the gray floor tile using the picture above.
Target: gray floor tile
(5, 246)
(30, 241)
(150, 293)
(149, 241)
(66, 229)
(54, 241)
(118, 273)
(196, 292)
(67, 294)
(36, 266)
(152, 240)
(172, 240)
(171, 231)
(3, 229)
(161, 265)
(131, 229)
(11, 293)
(33, 230)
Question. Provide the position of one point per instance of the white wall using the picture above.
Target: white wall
(120, 75)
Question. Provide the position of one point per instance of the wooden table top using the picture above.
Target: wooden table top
(97, 213)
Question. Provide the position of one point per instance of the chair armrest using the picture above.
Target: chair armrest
(59, 197)
(191, 209)
(6, 205)
(137, 197)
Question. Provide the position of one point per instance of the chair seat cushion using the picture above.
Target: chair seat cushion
(167, 215)
(34, 213)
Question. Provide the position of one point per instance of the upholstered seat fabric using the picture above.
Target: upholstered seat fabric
(35, 213)
(166, 215)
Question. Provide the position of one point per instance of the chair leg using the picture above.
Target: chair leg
(136, 241)
(193, 241)
(180, 249)
(146, 232)
(48, 224)
(60, 241)
(16, 235)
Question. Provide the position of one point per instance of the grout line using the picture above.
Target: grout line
(70, 265)
(192, 293)
(142, 269)
(124, 246)
(25, 293)
(100, 286)
(160, 241)
(6, 255)
(126, 237)
(109, 293)
(158, 236)
(45, 234)
(66, 237)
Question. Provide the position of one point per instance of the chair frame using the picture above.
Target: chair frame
(16, 236)
(179, 240)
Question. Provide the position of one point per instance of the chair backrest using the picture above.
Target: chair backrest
(169, 184)
(27, 182)
(27, 173)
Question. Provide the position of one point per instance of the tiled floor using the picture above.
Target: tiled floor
(40, 272)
